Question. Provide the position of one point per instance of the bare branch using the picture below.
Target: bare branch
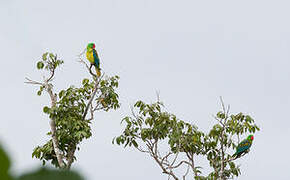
(191, 163)
(141, 150)
(162, 166)
(83, 52)
(158, 96)
(90, 100)
(51, 75)
(186, 172)
(179, 164)
(166, 156)
(223, 104)
(176, 155)
(91, 113)
(29, 81)
(87, 66)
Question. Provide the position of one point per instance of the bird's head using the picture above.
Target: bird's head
(250, 138)
(91, 46)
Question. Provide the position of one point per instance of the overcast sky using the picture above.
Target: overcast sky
(191, 51)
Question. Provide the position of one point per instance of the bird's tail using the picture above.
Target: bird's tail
(98, 71)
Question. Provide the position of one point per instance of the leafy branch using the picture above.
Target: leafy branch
(149, 126)
(69, 124)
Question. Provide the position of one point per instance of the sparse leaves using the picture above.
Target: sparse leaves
(49, 62)
(151, 125)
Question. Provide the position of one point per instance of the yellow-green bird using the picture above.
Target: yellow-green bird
(93, 57)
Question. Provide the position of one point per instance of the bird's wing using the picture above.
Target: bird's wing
(244, 145)
(96, 58)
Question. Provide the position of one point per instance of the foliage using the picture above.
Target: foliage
(69, 109)
(4, 165)
(43, 174)
(49, 174)
(220, 139)
(151, 125)
(49, 62)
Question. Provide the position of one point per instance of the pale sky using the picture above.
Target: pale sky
(191, 52)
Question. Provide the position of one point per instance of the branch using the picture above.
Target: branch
(163, 168)
(29, 81)
(141, 150)
(53, 97)
(165, 157)
(87, 66)
(51, 75)
(190, 157)
(91, 112)
(70, 155)
(223, 148)
(55, 142)
(179, 164)
(186, 172)
(98, 104)
(91, 99)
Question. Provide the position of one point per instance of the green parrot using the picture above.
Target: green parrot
(244, 147)
(93, 57)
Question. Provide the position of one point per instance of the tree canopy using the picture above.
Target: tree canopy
(71, 111)
(150, 126)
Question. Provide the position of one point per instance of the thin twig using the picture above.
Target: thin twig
(87, 66)
(186, 172)
(29, 81)
(51, 75)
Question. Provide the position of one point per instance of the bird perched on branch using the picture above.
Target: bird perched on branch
(243, 147)
(93, 57)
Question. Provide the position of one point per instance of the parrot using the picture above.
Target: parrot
(243, 147)
(93, 57)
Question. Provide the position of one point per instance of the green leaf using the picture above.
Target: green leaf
(118, 140)
(49, 174)
(39, 93)
(40, 65)
(46, 109)
(135, 143)
(51, 56)
(61, 93)
(44, 56)
(4, 165)
(85, 81)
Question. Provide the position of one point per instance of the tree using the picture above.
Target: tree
(42, 173)
(151, 127)
(69, 124)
